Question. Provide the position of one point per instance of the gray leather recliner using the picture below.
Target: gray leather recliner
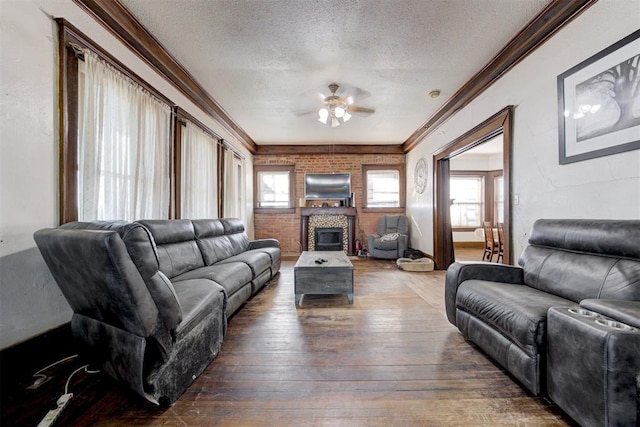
(136, 325)
(391, 238)
(569, 265)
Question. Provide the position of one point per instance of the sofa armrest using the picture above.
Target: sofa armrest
(458, 272)
(264, 243)
(627, 312)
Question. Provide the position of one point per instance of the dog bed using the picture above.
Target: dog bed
(420, 264)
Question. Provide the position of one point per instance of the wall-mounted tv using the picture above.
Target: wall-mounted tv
(327, 185)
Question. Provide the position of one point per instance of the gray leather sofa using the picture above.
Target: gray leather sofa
(151, 298)
(503, 309)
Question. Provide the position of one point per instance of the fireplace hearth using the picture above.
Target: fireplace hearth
(328, 239)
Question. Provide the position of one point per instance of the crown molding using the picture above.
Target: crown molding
(123, 25)
(555, 15)
(267, 150)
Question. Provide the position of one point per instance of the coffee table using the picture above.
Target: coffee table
(335, 276)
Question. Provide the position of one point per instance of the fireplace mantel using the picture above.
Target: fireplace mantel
(350, 213)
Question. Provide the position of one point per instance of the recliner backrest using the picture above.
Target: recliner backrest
(175, 241)
(234, 229)
(142, 251)
(388, 224)
(98, 277)
(579, 259)
(212, 241)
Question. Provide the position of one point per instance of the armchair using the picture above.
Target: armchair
(391, 238)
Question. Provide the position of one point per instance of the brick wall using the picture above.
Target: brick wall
(286, 227)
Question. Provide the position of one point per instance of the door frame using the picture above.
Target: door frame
(499, 123)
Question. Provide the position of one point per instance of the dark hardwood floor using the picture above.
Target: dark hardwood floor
(390, 359)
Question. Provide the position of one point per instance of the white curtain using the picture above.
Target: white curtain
(233, 186)
(199, 195)
(124, 147)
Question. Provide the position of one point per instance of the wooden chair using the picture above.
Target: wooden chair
(500, 242)
(490, 245)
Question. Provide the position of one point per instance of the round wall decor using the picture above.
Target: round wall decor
(420, 176)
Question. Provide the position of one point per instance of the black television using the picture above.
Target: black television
(327, 185)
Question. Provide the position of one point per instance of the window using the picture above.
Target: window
(384, 187)
(124, 147)
(115, 136)
(233, 182)
(467, 195)
(198, 172)
(476, 196)
(274, 188)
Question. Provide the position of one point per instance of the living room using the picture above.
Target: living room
(540, 187)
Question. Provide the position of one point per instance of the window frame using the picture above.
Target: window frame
(71, 41)
(488, 182)
(400, 168)
(290, 169)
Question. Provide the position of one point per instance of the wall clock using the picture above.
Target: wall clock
(420, 176)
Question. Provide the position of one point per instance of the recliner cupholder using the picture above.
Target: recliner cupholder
(583, 312)
(615, 325)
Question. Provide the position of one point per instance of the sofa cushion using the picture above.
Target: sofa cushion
(234, 229)
(232, 276)
(212, 241)
(256, 259)
(384, 245)
(518, 312)
(178, 251)
(614, 238)
(198, 298)
(577, 276)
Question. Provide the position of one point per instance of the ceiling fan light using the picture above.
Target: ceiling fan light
(339, 111)
(346, 116)
(323, 114)
(334, 122)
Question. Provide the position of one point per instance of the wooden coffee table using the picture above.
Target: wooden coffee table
(335, 276)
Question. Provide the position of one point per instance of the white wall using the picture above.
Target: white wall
(606, 187)
(30, 301)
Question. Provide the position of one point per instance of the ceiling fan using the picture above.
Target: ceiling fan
(337, 109)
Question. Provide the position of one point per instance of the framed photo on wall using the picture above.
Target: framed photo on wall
(599, 103)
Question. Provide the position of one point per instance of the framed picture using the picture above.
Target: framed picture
(599, 103)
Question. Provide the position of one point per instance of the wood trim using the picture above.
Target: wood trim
(501, 122)
(67, 129)
(552, 18)
(123, 25)
(176, 167)
(267, 150)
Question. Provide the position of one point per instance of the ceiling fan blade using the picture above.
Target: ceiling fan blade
(352, 93)
(305, 112)
(363, 110)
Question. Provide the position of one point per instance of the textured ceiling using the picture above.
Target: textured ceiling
(266, 62)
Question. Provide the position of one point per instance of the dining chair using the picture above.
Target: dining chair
(500, 242)
(490, 245)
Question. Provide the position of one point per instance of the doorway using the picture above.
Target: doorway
(498, 124)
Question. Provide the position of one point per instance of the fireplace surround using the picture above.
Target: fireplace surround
(327, 217)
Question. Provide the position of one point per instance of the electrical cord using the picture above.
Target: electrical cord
(41, 375)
